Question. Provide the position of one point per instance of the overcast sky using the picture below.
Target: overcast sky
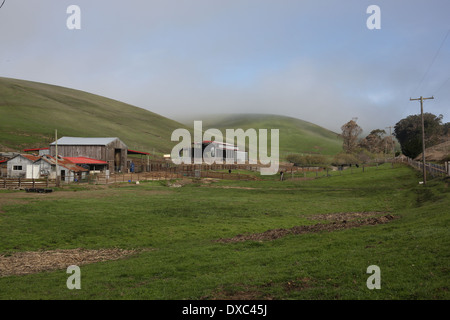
(315, 60)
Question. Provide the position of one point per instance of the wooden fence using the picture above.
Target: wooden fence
(168, 175)
(435, 170)
(20, 183)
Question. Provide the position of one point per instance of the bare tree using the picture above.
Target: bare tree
(350, 133)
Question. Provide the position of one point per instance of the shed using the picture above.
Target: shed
(67, 170)
(23, 166)
(111, 150)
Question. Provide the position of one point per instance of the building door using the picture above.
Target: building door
(117, 159)
(63, 175)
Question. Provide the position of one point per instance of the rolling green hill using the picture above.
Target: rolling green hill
(30, 112)
(296, 136)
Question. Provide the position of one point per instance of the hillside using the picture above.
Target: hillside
(296, 136)
(30, 112)
(439, 152)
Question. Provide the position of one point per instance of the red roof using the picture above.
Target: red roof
(36, 149)
(64, 163)
(136, 152)
(84, 160)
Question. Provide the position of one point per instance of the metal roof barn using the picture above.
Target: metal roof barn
(111, 150)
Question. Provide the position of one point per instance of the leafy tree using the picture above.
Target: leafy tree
(446, 129)
(350, 133)
(408, 132)
(374, 141)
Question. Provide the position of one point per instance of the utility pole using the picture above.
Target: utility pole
(423, 136)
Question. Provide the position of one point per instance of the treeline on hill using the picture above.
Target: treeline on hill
(378, 144)
(375, 145)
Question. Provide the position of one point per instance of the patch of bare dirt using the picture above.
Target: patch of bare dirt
(231, 187)
(333, 226)
(22, 263)
(345, 216)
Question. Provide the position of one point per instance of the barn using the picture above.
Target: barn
(220, 151)
(110, 150)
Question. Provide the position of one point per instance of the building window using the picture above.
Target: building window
(17, 168)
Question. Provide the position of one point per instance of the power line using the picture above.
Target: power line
(2, 4)
(432, 62)
(442, 86)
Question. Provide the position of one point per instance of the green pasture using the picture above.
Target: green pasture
(178, 228)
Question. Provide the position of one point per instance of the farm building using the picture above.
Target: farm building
(23, 166)
(110, 150)
(220, 151)
(68, 171)
(89, 163)
(34, 167)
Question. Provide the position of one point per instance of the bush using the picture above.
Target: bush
(344, 159)
(307, 160)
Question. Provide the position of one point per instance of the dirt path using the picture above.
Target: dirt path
(340, 221)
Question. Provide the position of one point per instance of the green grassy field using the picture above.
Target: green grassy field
(180, 227)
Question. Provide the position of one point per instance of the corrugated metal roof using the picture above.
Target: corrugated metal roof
(64, 163)
(77, 141)
(31, 157)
